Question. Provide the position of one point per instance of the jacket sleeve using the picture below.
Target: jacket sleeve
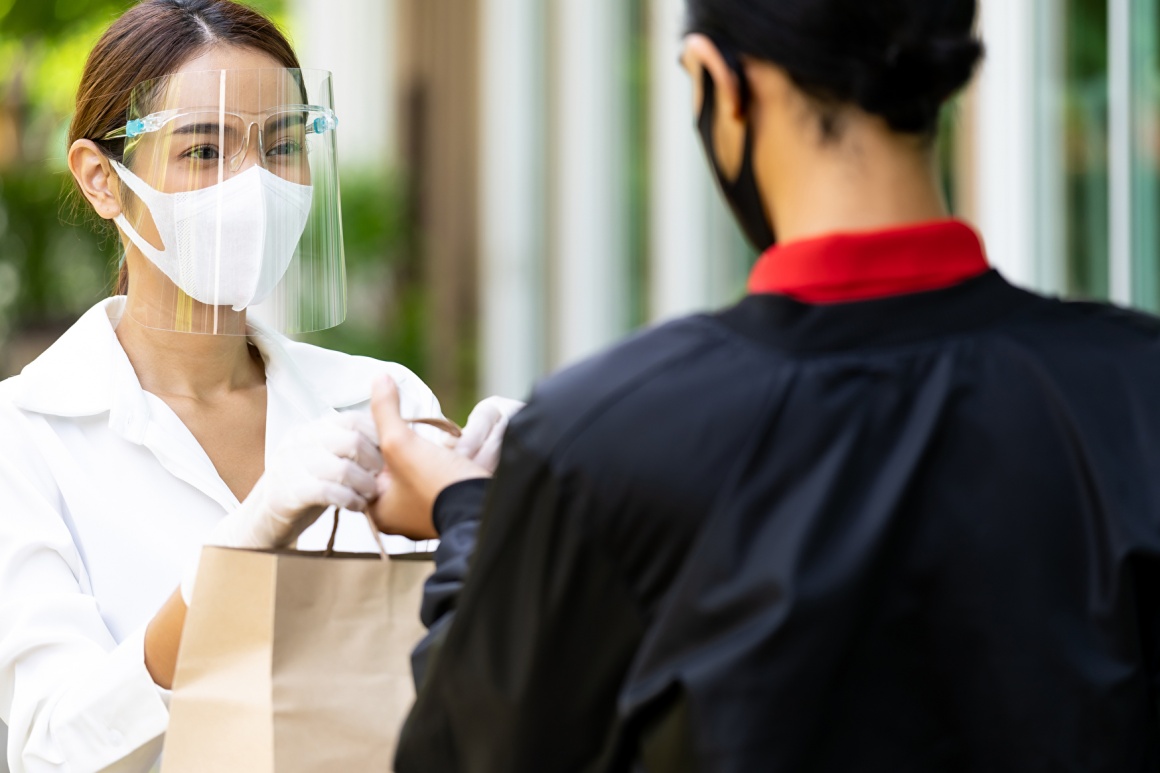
(73, 698)
(525, 676)
(457, 512)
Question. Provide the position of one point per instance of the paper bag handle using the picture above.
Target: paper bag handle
(374, 534)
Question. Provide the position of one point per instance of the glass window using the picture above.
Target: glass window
(1145, 164)
(1085, 229)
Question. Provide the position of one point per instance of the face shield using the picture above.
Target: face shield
(229, 190)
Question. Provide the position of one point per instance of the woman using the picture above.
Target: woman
(887, 513)
(176, 414)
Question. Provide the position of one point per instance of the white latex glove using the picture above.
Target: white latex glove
(483, 435)
(329, 462)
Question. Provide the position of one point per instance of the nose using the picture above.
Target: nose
(250, 153)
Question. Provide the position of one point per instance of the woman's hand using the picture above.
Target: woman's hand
(329, 462)
(483, 435)
(416, 470)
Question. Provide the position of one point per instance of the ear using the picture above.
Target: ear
(702, 56)
(95, 177)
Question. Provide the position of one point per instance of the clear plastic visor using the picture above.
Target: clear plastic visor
(230, 204)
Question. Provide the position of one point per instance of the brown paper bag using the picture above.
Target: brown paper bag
(295, 662)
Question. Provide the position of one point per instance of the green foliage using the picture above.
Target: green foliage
(53, 19)
(52, 270)
(1087, 39)
(373, 217)
(51, 263)
(948, 135)
(386, 300)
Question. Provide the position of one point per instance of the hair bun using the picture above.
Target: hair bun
(914, 79)
(898, 59)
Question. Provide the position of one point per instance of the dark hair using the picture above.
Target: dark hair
(898, 59)
(153, 39)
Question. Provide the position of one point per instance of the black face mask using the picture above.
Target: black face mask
(743, 195)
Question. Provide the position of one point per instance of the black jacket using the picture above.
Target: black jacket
(912, 534)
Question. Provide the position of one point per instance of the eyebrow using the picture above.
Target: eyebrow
(203, 129)
(287, 119)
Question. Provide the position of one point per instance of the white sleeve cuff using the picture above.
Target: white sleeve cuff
(115, 711)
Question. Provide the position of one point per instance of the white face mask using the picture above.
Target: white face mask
(226, 245)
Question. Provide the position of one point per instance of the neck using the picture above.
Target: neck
(200, 367)
(868, 180)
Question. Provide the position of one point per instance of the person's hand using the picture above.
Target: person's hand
(329, 462)
(416, 470)
(483, 435)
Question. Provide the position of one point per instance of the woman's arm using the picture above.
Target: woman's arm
(72, 696)
(163, 638)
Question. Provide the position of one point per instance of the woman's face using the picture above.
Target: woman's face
(217, 125)
(223, 112)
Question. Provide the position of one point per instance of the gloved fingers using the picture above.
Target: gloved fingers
(360, 421)
(344, 497)
(327, 468)
(336, 436)
(488, 425)
(479, 425)
(506, 406)
(488, 455)
(360, 480)
(343, 438)
(368, 456)
(315, 495)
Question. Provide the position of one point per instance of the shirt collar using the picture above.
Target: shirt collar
(76, 375)
(863, 266)
(86, 372)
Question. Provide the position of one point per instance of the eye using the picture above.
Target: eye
(202, 153)
(285, 148)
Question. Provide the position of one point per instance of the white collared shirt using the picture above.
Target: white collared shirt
(105, 497)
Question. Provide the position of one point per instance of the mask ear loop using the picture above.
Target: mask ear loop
(733, 62)
(129, 182)
(709, 91)
(742, 192)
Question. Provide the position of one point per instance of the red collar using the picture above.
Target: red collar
(858, 267)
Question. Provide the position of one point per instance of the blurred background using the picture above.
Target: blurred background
(522, 185)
